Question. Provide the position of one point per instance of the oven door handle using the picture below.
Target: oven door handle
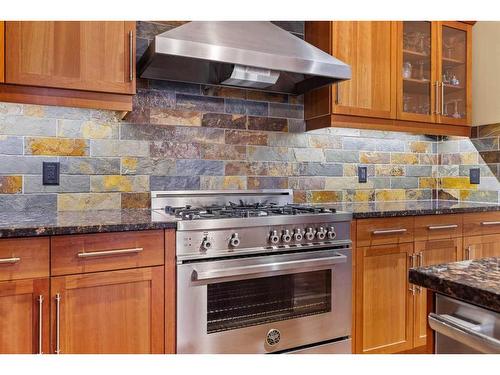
(267, 269)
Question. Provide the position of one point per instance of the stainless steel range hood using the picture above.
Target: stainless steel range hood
(257, 55)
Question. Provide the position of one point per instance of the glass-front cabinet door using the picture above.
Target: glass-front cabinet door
(454, 65)
(417, 79)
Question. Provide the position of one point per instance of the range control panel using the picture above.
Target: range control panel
(231, 241)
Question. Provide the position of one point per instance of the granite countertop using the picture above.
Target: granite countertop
(36, 223)
(364, 210)
(473, 281)
(33, 223)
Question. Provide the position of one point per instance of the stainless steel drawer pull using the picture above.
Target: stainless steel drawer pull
(437, 227)
(131, 55)
(389, 231)
(109, 252)
(490, 223)
(40, 324)
(10, 260)
(459, 330)
(58, 323)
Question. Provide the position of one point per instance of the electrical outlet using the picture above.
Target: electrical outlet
(362, 175)
(475, 176)
(50, 173)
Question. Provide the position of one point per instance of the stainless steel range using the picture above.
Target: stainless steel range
(258, 274)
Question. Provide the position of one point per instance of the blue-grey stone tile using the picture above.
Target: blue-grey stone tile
(67, 184)
(199, 103)
(419, 171)
(146, 132)
(286, 110)
(358, 144)
(28, 202)
(296, 125)
(175, 182)
(11, 145)
(320, 169)
(199, 167)
(23, 164)
(23, 125)
(390, 145)
(404, 182)
(237, 106)
(89, 166)
(342, 156)
(178, 87)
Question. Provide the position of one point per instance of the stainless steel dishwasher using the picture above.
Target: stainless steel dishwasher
(464, 328)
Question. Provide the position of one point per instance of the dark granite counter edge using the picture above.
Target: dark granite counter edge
(421, 212)
(467, 293)
(63, 230)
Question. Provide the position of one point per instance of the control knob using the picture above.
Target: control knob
(297, 235)
(309, 234)
(234, 241)
(274, 238)
(286, 237)
(331, 233)
(206, 244)
(321, 234)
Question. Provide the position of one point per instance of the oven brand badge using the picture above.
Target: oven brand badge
(273, 337)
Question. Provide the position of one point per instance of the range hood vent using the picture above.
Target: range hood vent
(258, 55)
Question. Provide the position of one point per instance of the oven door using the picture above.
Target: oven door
(264, 304)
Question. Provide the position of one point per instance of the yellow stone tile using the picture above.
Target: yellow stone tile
(374, 158)
(119, 183)
(234, 182)
(461, 182)
(11, 184)
(56, 146)
(420, 147)
(404, 158)
(88, 201)
(129, 165)
(428, 182)
(389, 170)
(390, 195)
(95, 130)
(326, 196)
(469, 158)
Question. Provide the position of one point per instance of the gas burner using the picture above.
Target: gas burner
(242, 210)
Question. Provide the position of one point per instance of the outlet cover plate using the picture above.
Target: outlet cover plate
(50, 173)
(362, 174)
(475, 176)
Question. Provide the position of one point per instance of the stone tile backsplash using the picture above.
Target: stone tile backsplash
(184, 136)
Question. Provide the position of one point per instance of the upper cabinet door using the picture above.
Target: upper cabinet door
(418, 85)
(454, 72)
(93, 56)
(369, 48)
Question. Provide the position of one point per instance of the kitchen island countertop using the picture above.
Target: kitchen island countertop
(473, 281)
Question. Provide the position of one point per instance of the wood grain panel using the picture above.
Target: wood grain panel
(477, 247)
(33, 254)
(19, 322)
(90, 55)
(385, 322)
(481, 223)
(65, 250)
(170, 293)
(2, 51)
(117, 312)
(62, 97)
(431, 253)
(433, 227)
(369, 48)
(367, 227)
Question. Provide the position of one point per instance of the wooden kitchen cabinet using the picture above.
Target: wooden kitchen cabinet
(113, 312)
(428, 253)
(384, 301)
(2, 51)
(24, 316)
(477, 247)
(412, 76)
(83, 64)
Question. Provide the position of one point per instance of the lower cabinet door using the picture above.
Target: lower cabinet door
(24, 316)
(384, 307)
(428, 253)
(116, 312)
(477, 247)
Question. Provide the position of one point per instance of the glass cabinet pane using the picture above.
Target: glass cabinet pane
(416, 69)
(244, 303)
(453, 70)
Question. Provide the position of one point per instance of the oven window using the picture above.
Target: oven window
(244, 303)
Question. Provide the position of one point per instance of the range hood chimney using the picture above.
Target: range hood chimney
(257, 55)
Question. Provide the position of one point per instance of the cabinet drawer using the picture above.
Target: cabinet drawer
(106, 251)
(437, 227)
(384, 231)
(482, 223)
(24, 258)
